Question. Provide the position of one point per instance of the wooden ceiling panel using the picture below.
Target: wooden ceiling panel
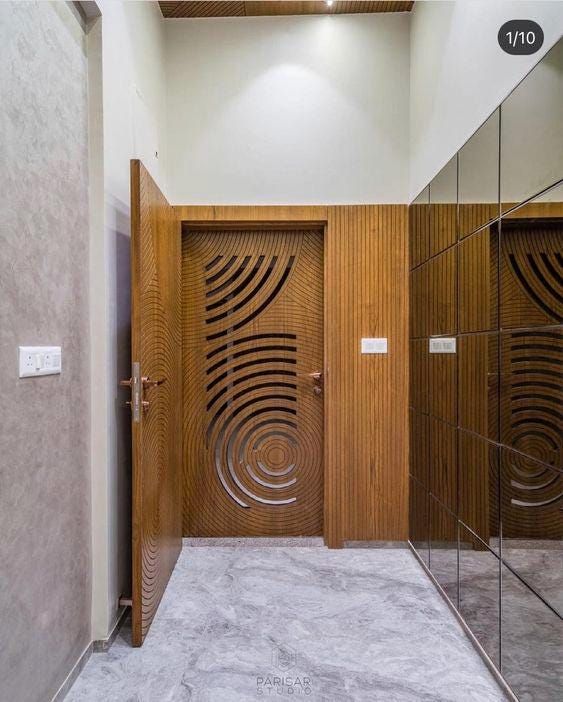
(203, 8)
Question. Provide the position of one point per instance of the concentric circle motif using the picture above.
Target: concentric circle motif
(262, 423)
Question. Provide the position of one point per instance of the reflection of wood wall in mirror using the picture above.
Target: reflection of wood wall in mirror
(419, 387)
(419, 233)
(419, 455)
(478, 485)
(473, 216)
(478, 384)
(533, 209)
(443, 462)
(443, 222)
(442, 383)
(442, 293)
(478, 255)
(419, 302)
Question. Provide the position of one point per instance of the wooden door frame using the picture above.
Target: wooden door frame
(288, 217)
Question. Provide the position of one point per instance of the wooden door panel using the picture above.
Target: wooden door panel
(253, 425)
(156, 342)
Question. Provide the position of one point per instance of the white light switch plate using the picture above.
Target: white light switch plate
(442, 345)
(39, 360)
(374, 345)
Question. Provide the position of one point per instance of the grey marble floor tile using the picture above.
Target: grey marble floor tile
(244, 623)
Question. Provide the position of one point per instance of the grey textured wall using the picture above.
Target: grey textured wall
(45, 564)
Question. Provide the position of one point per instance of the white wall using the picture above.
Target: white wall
(459, 74)
(134, 122)
(288, 110)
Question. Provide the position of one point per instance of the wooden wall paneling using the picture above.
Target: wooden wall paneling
(284, 215)
(157, 346)
(366, 397)
(366, 415)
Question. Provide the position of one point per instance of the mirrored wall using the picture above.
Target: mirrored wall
(486, 372)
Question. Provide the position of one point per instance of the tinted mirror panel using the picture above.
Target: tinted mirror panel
(532, 132)
(418, 519)
(443, 548)
(478, 379)
(443, 208)
(478, 177)
(531, 394)
(532, 527)
(479, 488)
(532, 643)
(419, 228)
(479, 592)
(531, 263)
(478, 280)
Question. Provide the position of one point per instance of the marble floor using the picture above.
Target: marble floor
(242, 622)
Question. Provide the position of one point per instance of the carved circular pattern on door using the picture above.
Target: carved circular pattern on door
(255, 434)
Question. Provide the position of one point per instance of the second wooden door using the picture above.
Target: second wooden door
(253, 390)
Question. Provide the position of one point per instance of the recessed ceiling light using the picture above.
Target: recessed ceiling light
(329, 3)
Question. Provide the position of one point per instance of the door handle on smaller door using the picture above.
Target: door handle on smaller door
(317, 376)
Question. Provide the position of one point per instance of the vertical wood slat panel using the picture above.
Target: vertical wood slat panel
(366, 397)
(367, 422)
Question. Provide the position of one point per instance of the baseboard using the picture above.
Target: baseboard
(104, 645)
(376, 544)
(470, 635)
(253, 542)
(63, 690)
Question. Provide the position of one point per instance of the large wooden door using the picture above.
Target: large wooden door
(156, 345)
(253, 404)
